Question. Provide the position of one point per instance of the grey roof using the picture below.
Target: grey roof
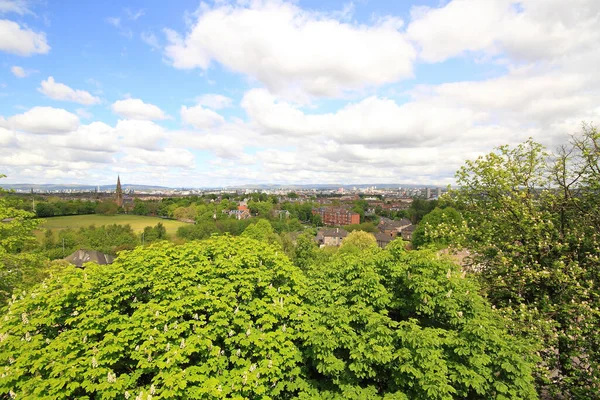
(382, 237)
(332, 232)
(82, 256)
(386, 223)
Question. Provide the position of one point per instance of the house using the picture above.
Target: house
(337, 216)
(82, 256)
(393, 228)
(331, 236)
(383, 239)
(240, 214)
(408, 232)
(281, 214)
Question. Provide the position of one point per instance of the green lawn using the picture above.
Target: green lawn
(137, 222)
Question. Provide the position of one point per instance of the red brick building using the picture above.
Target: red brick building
(337, 216)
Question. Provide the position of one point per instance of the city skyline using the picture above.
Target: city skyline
(231, 93)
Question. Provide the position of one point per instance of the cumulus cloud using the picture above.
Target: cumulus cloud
(214, 101)
(20, 7)
(19, 72)
(44, 120)
(200, 117)
(62, 92)
(373, 121)
(328, 56)
(20, 40)
(95, 137)
(526, 30)
(137, 109)
(141, 134)
(167, 157)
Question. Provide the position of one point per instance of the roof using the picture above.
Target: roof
(387, 223)
(332, 232)
(382, 237)
(82, 256)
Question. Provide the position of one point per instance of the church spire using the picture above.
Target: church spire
(119, 193)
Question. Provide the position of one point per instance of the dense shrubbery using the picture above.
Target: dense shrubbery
(233, 317)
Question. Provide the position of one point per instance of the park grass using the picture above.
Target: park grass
(137, 222)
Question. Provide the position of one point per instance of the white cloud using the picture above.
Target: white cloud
(83, 113)
(137, 109)
(374, 121)
(134, 15)
(14, 6)
(95, 137)
(200, 117)
(168, 157)
(150, 39)
(141, 134)
(44, 120)
(62, 92)
(17, 71)
(525, 30)
(21, 40)
(114, 21)
(290, 49)
(214, 101)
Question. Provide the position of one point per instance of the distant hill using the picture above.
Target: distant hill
(53, 187)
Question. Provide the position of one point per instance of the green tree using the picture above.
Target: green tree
(359, 240)
(262, 231)
(440, 227)
(43, 210)
(535, 243)
(19, 270)
(107, 208)
(210, 319)
(407, 325)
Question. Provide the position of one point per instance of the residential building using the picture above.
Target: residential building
(383, 239)
(331, 236)
(333, 216)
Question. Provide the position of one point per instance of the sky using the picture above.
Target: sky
(224, 93)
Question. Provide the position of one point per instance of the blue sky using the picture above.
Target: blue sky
(268, 91)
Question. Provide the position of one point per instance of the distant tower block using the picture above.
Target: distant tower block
(427, 193)
(119, 193)
(439, 192)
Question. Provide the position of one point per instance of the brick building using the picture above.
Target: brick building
(337, 216)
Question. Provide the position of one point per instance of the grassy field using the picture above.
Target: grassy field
(137, 222)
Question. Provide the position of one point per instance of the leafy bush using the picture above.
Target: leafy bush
(233, 318)
(208, 319)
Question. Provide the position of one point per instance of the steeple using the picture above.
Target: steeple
(119, 193)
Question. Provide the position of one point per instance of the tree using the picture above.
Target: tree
(107, 208)
(407, 325)
(440, 227)
(305, 249)
(234, 318)
(210, 319)
(18, 269)
(43, 209)
(140, 207)
(359, 240)
(262, 231)
(532, 230)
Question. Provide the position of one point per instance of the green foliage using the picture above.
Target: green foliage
(359, 240)
(365, 226)
(18, 270)
(407, 325)
(440, 227)
(305, 250)
(263, 232)
(107, 208)
(533, 231)
(154, 233)
(233, 318)
(419, 208)
(211, 319)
